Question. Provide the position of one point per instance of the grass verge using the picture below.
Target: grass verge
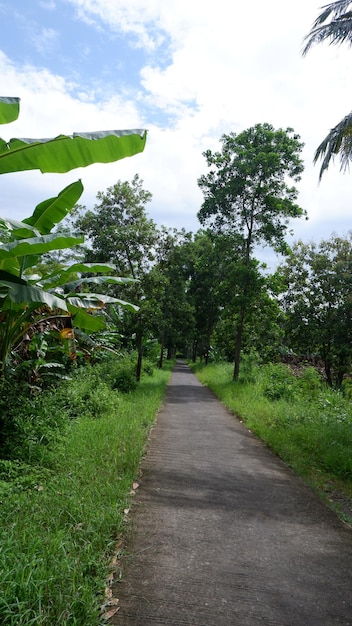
(62, 516)
(308, 425)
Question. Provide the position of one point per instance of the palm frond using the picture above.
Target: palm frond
(338, 141)
(337, 31)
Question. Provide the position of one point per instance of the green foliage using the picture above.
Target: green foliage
(317, 303)
(26, 298)
(346, 388)
(120, 232)
(172, 301)
(333, 25)
(60, 522)
(310, 382)
(248, 198)
(17, 476)
(119, 374)
(30, 425)
(279, 383)
(118, 229)
(89, 392)
(247, 192)
(249, 366)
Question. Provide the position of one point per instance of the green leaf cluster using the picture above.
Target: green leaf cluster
(26, 297)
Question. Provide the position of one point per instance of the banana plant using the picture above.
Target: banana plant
(64, 152)
(25, 297)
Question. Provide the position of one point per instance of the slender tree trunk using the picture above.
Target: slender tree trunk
(341, 371)
(207, 349)
(327, 368)
(194, 350)
(139, 341)
(161, 357)
(238, 344)
(243, 309)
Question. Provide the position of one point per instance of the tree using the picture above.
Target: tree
(247, 197)
(336, 31)
(211, 258)
(119, 231)
(175, 322)
(318, 304)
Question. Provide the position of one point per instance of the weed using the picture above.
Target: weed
(62, 515)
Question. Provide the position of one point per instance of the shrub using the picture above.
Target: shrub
(147, 367)
(309, 382)
(278, 382)
(346, 388)
(249, 367)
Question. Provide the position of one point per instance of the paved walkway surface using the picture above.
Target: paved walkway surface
(224, 533)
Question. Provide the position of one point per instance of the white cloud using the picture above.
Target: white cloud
(227, 68)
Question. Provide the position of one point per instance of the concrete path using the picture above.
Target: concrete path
(224, 533)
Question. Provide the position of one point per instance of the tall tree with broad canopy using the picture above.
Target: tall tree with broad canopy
(118, 231)
(247, 196)
(334, 25)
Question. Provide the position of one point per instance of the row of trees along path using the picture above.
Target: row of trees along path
(224, 533)
(204, 291)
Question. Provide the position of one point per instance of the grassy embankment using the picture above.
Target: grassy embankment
(64, 488)
(303, 421)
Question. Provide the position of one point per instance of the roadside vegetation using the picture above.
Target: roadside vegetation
(92, 299)
(306, 422)
(65, 488)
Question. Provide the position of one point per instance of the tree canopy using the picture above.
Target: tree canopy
(249, 196)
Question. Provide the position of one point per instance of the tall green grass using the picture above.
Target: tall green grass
(305, 422)
(62, 512)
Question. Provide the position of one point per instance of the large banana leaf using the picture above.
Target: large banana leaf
(38, 245)
(9, 109)
(86, 321)
(96, 301)
(66, 152)
(100, 280)
(52, 211)
(16, 229)
(62, 276)
(20, 293)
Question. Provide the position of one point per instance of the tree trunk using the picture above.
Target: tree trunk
(139, 341)
(327, 368)
(161, 357)
(207, 349)
(194, 351)
(238, 344)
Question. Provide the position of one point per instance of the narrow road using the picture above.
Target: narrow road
(224, 533)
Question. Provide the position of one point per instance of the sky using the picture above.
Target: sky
(186, 71)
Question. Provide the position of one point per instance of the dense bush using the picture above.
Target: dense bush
(280, 382)
(32, 423)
